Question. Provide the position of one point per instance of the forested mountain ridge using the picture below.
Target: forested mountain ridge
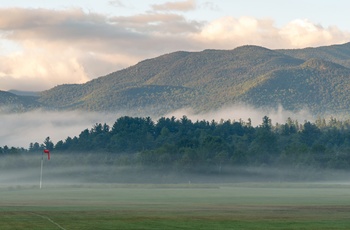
(314, 78)
(316, 84)
(339, 54)
(17, 103)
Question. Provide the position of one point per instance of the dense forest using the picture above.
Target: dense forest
(182, 144)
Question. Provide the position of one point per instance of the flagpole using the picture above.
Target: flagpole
(41, 169)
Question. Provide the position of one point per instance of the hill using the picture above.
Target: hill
(318, 85)
(11, 102)
(316, 78)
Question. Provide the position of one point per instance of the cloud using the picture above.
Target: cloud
(65, 46)
(237, 31)
(229, 31)
(176, 6)
(41, 67)
(158, 23)
(63, 26)
(52, 47)
(303, 33)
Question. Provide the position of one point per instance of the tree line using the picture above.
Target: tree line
(187, 145)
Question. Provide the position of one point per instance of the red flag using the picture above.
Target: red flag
(48, 153)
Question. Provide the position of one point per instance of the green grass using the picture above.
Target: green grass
(234, 206)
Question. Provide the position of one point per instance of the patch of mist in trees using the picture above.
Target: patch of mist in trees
(244, 112)
(20, 129)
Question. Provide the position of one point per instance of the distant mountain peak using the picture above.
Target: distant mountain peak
(251, 47)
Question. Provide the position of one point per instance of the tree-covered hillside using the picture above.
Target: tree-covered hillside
(339, 54)
(318, 85)
(215, 78)
(200, 80)
(314, 78)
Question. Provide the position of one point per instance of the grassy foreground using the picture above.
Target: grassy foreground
(234, 206)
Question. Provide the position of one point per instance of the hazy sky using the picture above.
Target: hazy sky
(46, 43)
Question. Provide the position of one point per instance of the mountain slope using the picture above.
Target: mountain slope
(339, 54)
(10, 102)
(316, 84)
(173, 81)
(316, 78)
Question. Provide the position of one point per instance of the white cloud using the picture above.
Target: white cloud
(303, 33)
(44, 64)
(229, 32)
(73, 46)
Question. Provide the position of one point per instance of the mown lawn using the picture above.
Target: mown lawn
(233, 206)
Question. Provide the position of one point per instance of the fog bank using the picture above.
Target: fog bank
(21, 129)
(96, 168)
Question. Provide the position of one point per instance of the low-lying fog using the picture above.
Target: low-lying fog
(21, 129)
(93, 168)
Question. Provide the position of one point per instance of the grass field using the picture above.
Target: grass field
(194, 206)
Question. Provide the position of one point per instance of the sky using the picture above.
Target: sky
(47, 43)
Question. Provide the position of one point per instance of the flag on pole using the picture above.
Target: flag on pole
(48, 153)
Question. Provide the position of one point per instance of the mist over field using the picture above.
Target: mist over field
(87, 169)
(21, 129)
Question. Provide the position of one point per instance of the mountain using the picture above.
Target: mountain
(200, 80)
(314, 78)
(10, 102)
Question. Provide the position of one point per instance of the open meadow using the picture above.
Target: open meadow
(177, 206)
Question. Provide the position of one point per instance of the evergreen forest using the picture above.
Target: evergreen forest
(207, 146)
